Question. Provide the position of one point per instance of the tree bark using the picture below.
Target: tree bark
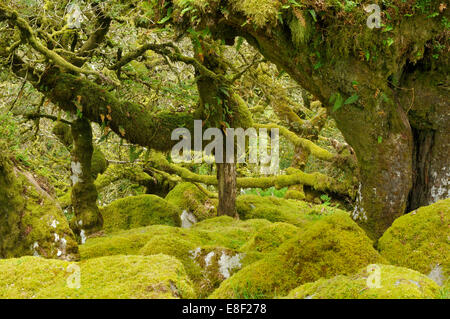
(226, 176)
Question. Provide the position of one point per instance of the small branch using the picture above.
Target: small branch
(29, 36)
(35, 116)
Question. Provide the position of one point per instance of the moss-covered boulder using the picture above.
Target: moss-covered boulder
(207, 266)
(194, 204)
(276, 209)
(127, 242)
(220, 231)
(228, 232)
(217, 264)
(270, 237)
(420, 240)
(331, 246)
(209, 251)
(31, 223)
(157, 276)
(394, 283)
(138, 211)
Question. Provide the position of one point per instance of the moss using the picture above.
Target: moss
(216, 264)
(98, 162)
(63, 133)
(220, 231)
(189, 197)
(65, 200)
(295, 194)
(138, 211)
(395, 283)
(300, 25)
(88, 218)
(228, 232)
(270, 237)
(180, 246)
(331, 246)
(207, 266)
(420, 240)
(277, 209)
(30, 221)
(127, 242)
(259, 12)
(221, 235)
(157, 276)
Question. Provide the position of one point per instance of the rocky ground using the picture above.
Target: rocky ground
(174, 247)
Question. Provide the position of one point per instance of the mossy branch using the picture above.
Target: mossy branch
(315, 150)
(29, 36)
(127, 119)
(35, 116)
(175, 55)
(318, 181)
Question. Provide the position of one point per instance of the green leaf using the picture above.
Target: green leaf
(166, 18)
(240, 40)
(338, 102)
(317, 65)
(380, 139)
(313, 14)
(351, 99)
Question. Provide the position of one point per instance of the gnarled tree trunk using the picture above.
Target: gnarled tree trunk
(336, 57)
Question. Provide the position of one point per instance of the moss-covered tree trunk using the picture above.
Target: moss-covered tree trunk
(213, 103)
(88, 218)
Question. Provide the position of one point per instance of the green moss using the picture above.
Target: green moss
(127, 242)
(420, 240)
(98, 162)
(300, 25)
(30, 221)
(295, 194)
(63, 133)
(207, 266)
(270, 237)
(189, 197)
(65, 201)
(276, 209)
(216, 264)
(220, 231)
(228, 232)
(395, 283)
(331, 246)
(88, 218)
(222, 236)
(157, 276)
(138, 211)
(259, 12)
